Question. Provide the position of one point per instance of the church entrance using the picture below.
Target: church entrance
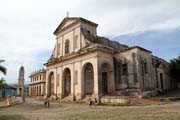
(67, 82)
(104, 83)
(88, 79)
(106, 76)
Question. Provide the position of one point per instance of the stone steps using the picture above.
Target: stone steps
(66, 99)
(114, 99)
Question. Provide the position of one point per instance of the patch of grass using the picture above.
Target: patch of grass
(112, 104)
(12, 117)
(82, 111)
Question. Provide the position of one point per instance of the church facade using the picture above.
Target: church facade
(84, 64)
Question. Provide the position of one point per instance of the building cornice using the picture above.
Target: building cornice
(36, 83)
(81, 52)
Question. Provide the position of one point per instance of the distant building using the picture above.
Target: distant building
(9, 90)
(37, 83)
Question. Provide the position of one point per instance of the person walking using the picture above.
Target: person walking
(48, 103)
(24, 99)
(90, 102)
(45, 103)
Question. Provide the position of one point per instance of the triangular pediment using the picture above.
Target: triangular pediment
(65, 23)
(68, 21)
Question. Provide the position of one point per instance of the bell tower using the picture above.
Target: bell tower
(21, 81)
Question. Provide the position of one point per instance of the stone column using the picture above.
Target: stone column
(61, 83)
(39, 86)
(80, 75)
(42, 89)
(36, 90)
(29, 90)
(72, 82)
(55, 83)
(47, 85)
(33, 90)
(96, 77)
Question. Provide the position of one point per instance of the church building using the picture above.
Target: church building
(84, 64)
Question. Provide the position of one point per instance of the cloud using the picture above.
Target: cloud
(162, 43)
(27, 26)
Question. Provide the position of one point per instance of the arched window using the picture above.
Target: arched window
(67, 46)
(89, 72)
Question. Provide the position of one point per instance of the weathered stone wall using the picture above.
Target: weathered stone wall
(129, 71)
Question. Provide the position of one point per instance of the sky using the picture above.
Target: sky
(27, 26)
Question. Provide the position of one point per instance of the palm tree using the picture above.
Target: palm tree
(2, 84)
(2, 68)
(2, 81)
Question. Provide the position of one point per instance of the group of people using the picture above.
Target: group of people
(92, 101)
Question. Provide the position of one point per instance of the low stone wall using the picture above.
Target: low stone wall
(115, 100)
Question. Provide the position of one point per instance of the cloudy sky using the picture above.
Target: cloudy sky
(27, 26)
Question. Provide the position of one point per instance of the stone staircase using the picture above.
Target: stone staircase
(66, 99)
(114, 99)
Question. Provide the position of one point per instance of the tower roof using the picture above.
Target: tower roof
(21, 68)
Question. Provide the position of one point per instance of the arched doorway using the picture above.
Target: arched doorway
(51, 84)
(88, 79)
(67, 82)
(105, 78)
(37, 90)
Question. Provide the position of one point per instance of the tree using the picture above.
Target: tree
(2, 81)
(2, 84)
(2, 68)
(175, 68)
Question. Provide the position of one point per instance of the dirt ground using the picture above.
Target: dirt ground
(34, 110)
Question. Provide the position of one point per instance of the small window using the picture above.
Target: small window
(124, 69)
(67, 46)
(145, 65)
(88, 31)
(145, 68)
